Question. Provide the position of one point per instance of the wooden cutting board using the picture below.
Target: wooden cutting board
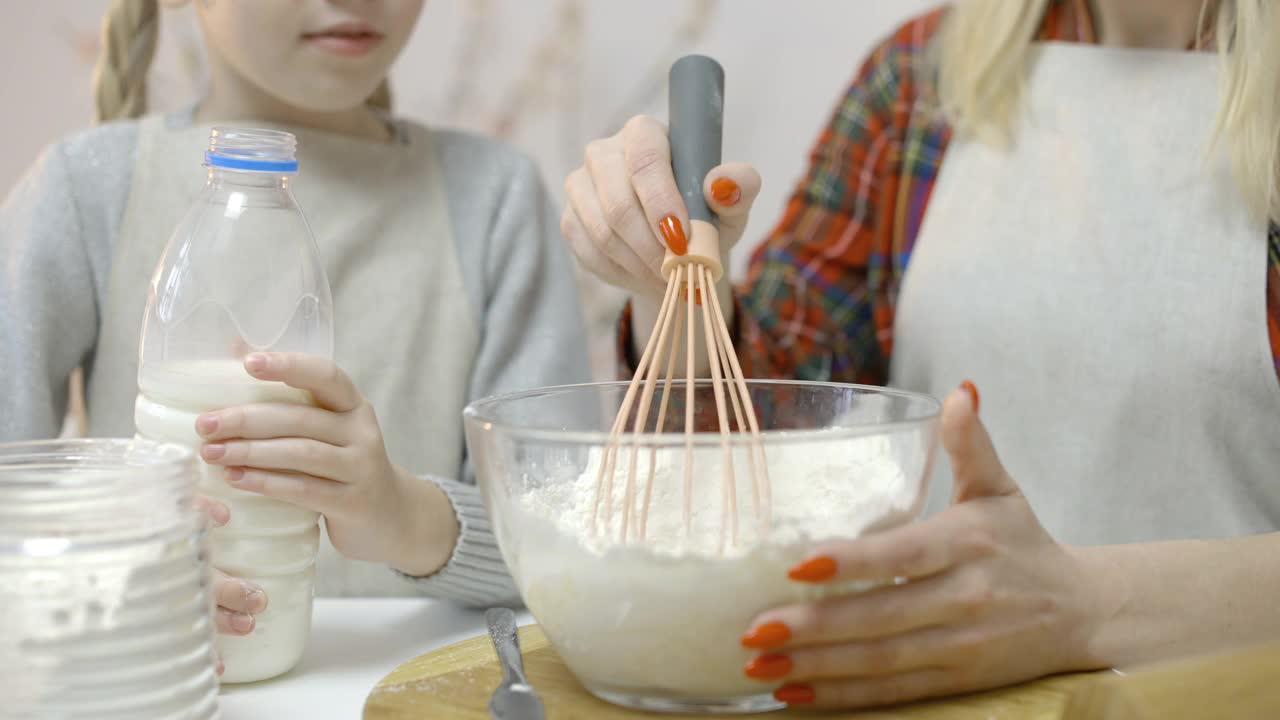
(455, 682)
(1243, 684)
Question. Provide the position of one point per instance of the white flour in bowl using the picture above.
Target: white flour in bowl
(664, 617)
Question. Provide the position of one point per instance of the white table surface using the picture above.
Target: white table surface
(354, 644)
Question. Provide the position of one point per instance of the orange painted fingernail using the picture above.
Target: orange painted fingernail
(815, 569)
(770, 666)
(795, 694)
(697, 296)
(972, 389)
(766, 636)
(725, 191)
(673, 233)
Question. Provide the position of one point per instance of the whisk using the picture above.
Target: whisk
(695, 116)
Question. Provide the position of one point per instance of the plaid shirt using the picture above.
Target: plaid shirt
(819, 300)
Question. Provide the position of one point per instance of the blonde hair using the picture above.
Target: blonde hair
(130, 31)
(984, 46)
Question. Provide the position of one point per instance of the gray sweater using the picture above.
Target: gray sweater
(518, 324)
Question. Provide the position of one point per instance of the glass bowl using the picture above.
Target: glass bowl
(645, 570)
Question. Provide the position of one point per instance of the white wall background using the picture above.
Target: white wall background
(548, 75)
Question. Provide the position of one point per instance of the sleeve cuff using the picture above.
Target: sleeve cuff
(475, 574)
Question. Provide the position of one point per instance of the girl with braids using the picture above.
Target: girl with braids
(1074, 203)
(448, 278)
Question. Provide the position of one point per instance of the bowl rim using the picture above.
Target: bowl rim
(72, 451)
(474, 417)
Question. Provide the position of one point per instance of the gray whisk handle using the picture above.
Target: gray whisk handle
(696, 118)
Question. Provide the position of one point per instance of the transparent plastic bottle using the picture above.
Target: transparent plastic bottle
(241, 274)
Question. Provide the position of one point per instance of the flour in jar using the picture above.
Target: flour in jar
(104, 603)
(663, 615)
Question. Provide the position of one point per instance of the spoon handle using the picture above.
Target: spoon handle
(502, 630)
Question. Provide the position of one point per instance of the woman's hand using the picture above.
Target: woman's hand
(331, 458)
(624, 209)
(237, 600)
(990, 599)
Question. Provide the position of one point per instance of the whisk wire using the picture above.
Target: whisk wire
(661, 421)
(604, 480)
(760, 487)
(690, 365)
(646, 399)
(729, 514)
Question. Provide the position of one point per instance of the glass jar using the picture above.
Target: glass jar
(105, 599)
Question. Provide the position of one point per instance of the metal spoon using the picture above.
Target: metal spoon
(514, 699)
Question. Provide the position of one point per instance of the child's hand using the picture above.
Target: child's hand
(331, 459)
(238, 600)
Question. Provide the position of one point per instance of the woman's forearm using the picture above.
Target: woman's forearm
(1164, 600)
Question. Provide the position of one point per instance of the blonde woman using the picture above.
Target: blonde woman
(1073, 204)
(448, 278)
